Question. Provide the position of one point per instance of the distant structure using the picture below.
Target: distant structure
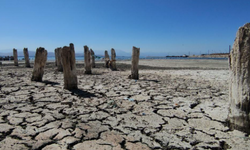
(7, 58)
(239, 88)
(211, 55)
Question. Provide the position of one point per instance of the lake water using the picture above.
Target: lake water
(79, 58)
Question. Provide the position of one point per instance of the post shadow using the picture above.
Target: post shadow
(81, 93)
(50, 82)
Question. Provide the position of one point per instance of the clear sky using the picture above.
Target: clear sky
(158, 27)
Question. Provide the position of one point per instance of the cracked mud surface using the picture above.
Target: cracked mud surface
(164, 109)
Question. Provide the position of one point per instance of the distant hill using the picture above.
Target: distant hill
(118, 53)
(78, 54)
(20, 54)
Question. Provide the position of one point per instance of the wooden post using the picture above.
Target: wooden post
(56, 57)
(87, 58)
(92, 58)
(39, 64)
(26, 57)
(15, 57)
(69, 67)
(135, 62)
(59, 59)
(106, 59)
(113, 60)
(239, 85)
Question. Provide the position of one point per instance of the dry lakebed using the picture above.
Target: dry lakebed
(175, 104)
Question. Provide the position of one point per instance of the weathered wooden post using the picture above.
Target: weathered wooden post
(56, 57)
(15, 57)
(106, 59)
(69, 67)
(239, 86)
(113, 60)
(87, 58)
(26, 57)
(59, 59)
(39, 64)
(92, 58)
(135, 62)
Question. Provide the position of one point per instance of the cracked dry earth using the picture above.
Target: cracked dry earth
(165, 109)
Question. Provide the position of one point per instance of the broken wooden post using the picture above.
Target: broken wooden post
(92, 58)
(59, 59)
(69, 67)
(56, 57)
(135, 62)
(87, 58)
(113, 60)
(39, 64)
(26, 57)
(106, 59)
(239, 86)
(15, 57)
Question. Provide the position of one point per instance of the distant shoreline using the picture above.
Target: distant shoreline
(20, 59)
(81, 58)
(219, 55)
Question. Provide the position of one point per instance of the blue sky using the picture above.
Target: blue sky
(158, 27)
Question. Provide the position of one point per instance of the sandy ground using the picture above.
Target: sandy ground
(176, 104)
